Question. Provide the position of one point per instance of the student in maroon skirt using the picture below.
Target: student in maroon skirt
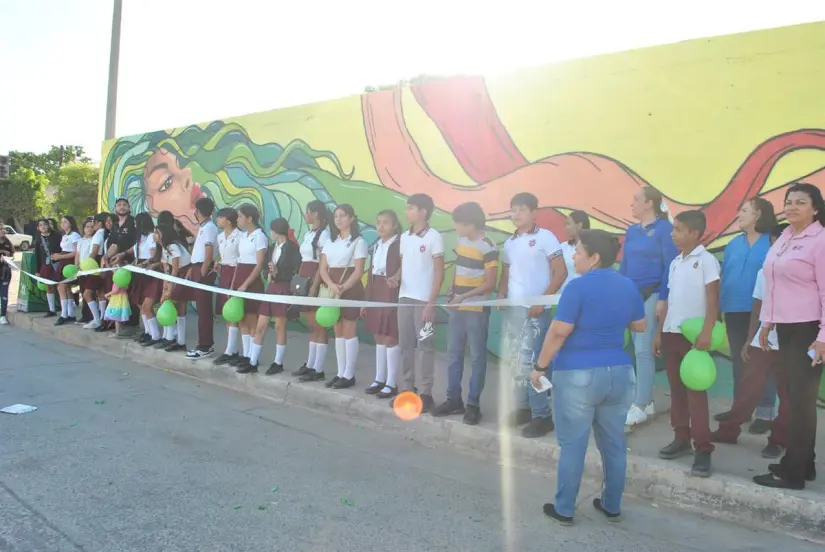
(251, 260)
(342, 265)
(104, 222)
(48, 243)
(65, 257)
(283, 261)
(228, 242)
(317, 216)
(382, 322)
(145, 290)
(177, 261)
(89, 285)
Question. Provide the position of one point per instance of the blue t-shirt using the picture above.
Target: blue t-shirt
(647, 254)
(601, 305)
(740, 266)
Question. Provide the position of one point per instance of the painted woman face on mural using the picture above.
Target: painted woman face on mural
(171, 188)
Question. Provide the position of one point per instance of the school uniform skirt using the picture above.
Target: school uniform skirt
(242, 272)
(382, 320)
(225, 275)
(308, 270)
(275, 310)
(52, 271)
(90, 283)
(356, 293)
(180, 293)
(152, 288)
(136, 288)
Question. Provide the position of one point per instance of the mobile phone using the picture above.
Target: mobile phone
(811, 353)
(544, 385)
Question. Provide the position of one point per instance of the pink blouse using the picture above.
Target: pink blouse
(795, 279)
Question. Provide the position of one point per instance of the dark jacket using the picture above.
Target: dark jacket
(6, 250)
(42, 252)
(393, 263)
(288, 263)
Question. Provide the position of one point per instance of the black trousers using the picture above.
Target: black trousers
(803, 389)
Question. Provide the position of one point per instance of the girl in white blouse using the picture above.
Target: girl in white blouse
(66, 257)
(342, 265)
(85, 249)
(251, 259)
(176, 261)
(229, 241)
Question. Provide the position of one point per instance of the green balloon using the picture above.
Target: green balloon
(41, 286)
(122, 278)
(692, 327)
(719, 337)
(167, 314)
(233, 310)
(70, 271)
(698, 371)
(327, 316)
(88, 264)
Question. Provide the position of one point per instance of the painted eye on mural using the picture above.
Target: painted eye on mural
(166, 185)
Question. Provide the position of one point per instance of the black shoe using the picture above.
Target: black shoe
(331, 382)
(701, 464)
(224, 359)
(344, 383)
(197, 354)
(104, 327)
(760, 426)
(302, 370)
(274, 369)
(472, 415)
(140, 336)
(427, 403)
(238, 361)
(722, 416)
(772, 450)
(675, 450)
(550, 511)
(810, 475)
(247, 368)
(60, 321)
(375, 388)
(520, 417)
(50, 314)
(163, 343)
(775, 482)
(448, 408)
(175, 347)
(312, 375)
(538, 427)
(143, 338)
(150, 343)
(386, 395)
(597, 504)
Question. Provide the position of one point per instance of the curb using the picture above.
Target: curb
(721, 496)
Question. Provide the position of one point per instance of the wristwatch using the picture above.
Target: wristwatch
(538, 368)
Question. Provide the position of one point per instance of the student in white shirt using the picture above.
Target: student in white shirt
(66, 257)
(693, 282)
(146, 290)
(85, 249)
(228, 243)
(576, 222)
(342, 265)
(759, 366)
(176, 261)
(251, 261)
(533, 265)
(317, 216)
(104, 222)
(422, 273)
(203, 271)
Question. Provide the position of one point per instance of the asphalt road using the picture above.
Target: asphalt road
(120, 456)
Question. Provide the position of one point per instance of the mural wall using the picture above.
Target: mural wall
(709, 122)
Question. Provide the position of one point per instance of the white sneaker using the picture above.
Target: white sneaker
(93, 325)
(650, 410)
(4, 321)
(635, 416)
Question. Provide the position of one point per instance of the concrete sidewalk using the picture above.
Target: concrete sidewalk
(729, 494)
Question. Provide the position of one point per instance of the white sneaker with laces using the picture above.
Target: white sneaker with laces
(635, 416)
(650, 410)
(4, 321)
(91, 325)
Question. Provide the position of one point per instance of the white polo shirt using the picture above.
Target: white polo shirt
(175, 251)
(250, 245)
(84, 248)
(68, 242)
(97, 240)
(418, 254)
(308, 255)
(228, 247)
(528, 257)
(207, 235)
(143, 248)
(567, 250)
(759, 293)
(343, 253)
(379, 256)
(689, 275)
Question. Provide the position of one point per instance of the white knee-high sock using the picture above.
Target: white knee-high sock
(71, 306)
(313, 348)
(246, 340)
(320, 357)
(352, 357)
(232, 340)
(94, 310)
(167, 333)
(64, 308)
(154, 328)
(380, 363)
(341, 355)
(255, 353)
(102, 306)
(145, 322)
(393, 360)
(52, 302)
(181, 330)
(279, 354)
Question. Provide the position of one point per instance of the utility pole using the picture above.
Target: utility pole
(114, 59)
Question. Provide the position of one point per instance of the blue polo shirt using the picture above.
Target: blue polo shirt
(600, 305)
(740, 266)
(647, 254)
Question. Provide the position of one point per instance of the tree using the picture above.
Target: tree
(50, 162)
(76, 185)
(24, 196)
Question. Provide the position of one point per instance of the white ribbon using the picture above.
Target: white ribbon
(540, 300)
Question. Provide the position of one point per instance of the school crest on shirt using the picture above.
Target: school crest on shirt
(532, 243)
(696, 264)
(422, 249)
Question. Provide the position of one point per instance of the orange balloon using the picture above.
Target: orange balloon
(407, 406)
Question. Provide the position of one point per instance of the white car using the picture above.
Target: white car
(20, 241)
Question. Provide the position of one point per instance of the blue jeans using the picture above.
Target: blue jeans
(467, 327)
(4, 296)
(523, 339)
(643, 347)
(597, 397)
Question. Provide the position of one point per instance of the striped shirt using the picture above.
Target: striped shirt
(473, 258)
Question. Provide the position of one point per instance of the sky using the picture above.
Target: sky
(190, 61)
